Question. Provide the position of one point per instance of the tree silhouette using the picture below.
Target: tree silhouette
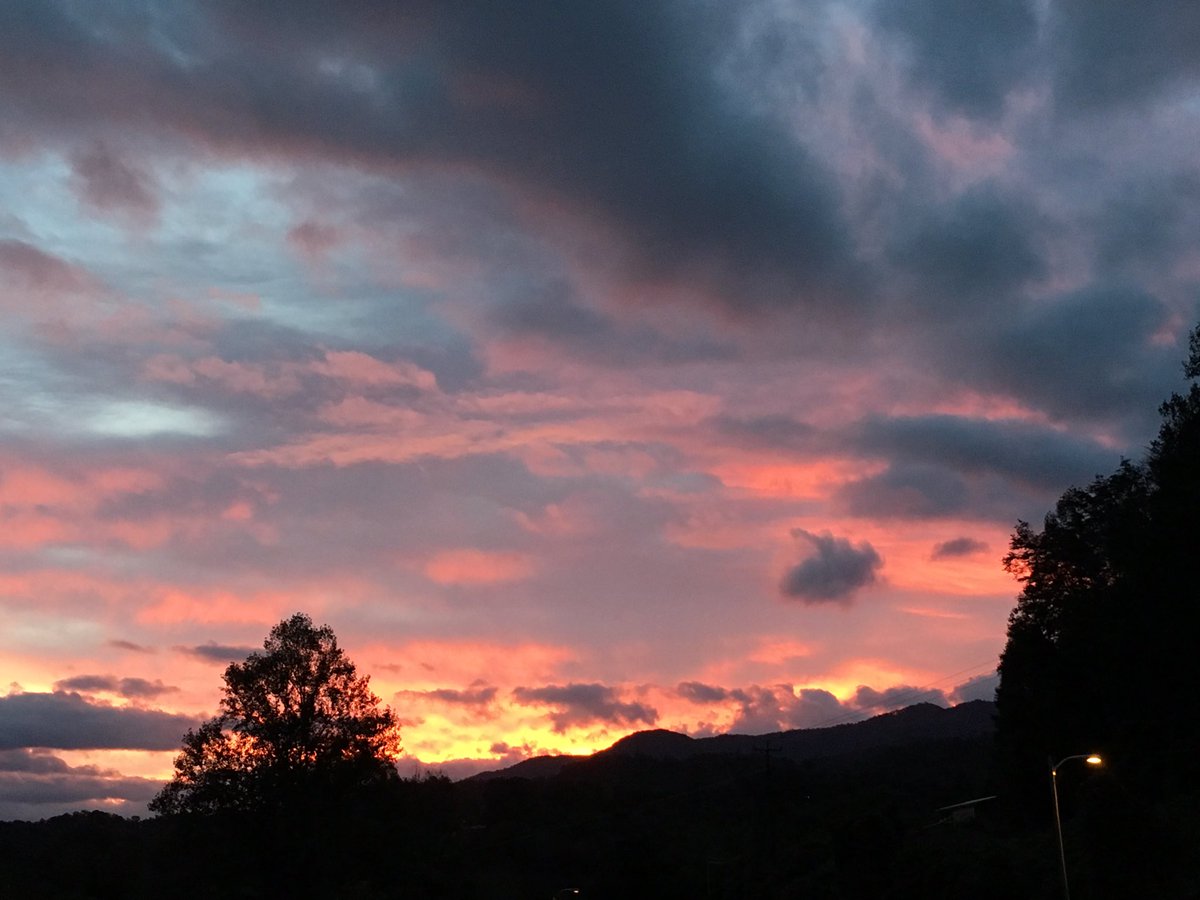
(1101, 643)
(296, 721)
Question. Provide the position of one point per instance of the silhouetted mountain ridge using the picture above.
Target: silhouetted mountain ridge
(910, 725)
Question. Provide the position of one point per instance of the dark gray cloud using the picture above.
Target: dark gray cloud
(956, 547)
(550, 312)
(981, 687)
(1014, 449)
(614, 105)
(760, 709)
(814, 708)
(130, 646)
(35, 784)
(971, 53)
(867, 699)
(836, 570)
(130, 688)
(218, 652)
(698, 692)
(554, 314)
(763, 709)
(775, 431)
(478, 694)
(909, 491)
(977, 251)
(586, 704)
(1144, 224)
(766, 708)
(1093, 353)
(1109, 52)
(68, 721)
(37, 762)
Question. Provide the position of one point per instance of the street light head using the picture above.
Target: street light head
(1094, 760)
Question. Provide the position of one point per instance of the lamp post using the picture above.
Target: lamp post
(1092, 760)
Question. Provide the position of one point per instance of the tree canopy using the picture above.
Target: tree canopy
(1099, 651)
(296, 719)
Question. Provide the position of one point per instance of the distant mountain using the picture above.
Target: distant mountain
(533, 768)
(911, 725)
(658, 744)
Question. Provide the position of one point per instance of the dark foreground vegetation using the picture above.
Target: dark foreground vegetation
(867, 823)
(289, 791)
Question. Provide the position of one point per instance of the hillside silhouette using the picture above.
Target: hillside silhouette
(883, 809)
(656, 814)
(913, 724)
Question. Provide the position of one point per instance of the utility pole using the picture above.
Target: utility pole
(766, 752)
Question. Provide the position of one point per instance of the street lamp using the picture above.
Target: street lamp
(1092, 760)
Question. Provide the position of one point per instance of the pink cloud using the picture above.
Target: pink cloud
(314, 240)
(966, 145)
(179, 605)
(430, 664)
(277, 380)
(362, 369)
(108, 183)
(33, 269)
(478, 567)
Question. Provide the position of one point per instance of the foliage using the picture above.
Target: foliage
(1075, 575)
(296, 721)
(1099, 645)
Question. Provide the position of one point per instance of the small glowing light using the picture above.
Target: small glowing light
(1093, 760)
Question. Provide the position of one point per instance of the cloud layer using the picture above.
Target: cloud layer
(559, 355)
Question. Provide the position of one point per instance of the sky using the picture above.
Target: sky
(587, 367)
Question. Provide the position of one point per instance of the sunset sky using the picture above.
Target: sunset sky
(587, 366)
